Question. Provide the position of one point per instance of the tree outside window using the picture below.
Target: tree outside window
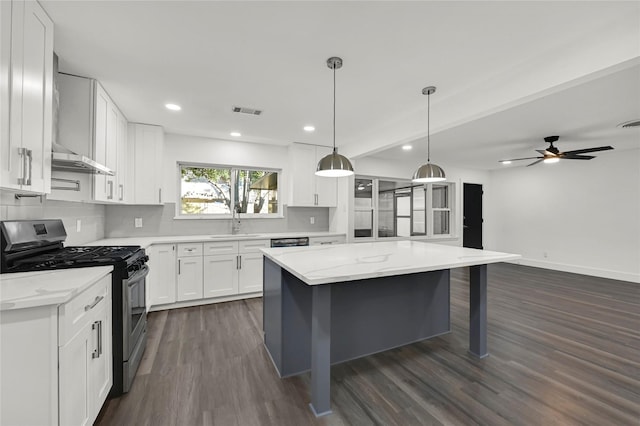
(213, 190)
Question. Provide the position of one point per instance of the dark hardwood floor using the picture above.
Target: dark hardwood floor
(564, 350)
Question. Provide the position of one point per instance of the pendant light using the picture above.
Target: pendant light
(334, 164)
(429, 172)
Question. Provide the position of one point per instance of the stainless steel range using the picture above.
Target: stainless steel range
(37, 245)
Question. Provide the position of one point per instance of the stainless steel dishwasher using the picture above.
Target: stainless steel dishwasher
(290, 242)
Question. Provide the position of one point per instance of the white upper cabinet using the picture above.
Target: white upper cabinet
(147, 146)
(307, 189)
(26, 90)
(90, 124)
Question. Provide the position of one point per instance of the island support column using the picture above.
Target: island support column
(478, 310)
(321, 350)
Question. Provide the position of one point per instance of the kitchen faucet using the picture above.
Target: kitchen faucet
(235, 219)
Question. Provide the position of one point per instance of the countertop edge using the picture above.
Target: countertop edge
(34, 296)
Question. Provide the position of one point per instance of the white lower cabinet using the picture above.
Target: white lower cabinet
(322, 241)
(56, 361)
(220, 275)
(85, 354)
(189, 279)
(250, 273)
(161, 281)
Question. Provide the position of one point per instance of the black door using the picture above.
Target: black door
(472, 211)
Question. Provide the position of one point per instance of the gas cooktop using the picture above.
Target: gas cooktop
(76, 256)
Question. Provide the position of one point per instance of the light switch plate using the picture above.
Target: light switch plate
(138, 222)
(312, 220)
(78, 225)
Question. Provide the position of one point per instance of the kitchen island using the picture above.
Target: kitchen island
(326, 305)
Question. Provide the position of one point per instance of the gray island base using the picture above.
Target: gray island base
(309, 327)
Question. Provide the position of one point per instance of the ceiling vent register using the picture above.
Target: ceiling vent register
(249, 111)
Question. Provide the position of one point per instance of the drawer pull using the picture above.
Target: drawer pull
(93, 305)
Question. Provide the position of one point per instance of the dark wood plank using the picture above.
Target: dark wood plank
(564, 349)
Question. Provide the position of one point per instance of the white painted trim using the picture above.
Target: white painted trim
(576, 269)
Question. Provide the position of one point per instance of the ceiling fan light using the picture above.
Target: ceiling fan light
(428, 173)
(551, 160)
(334, 165)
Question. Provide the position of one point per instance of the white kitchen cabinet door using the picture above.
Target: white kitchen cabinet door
(105, 148)
(250, 279)
(75, 376)
(122, 164)
(101, 366)
(26, 85)
(148, 148)
(189, 282)
(161, 281)
(307, 189)
(85, 359)
(220, 275)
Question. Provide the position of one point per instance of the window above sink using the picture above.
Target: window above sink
(216, 191)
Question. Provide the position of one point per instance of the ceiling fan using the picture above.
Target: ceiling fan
(553, 154)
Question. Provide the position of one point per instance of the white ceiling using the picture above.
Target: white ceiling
(507, 73)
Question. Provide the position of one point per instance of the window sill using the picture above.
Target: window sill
(228, 217)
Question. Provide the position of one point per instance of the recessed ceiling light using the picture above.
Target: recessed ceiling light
(235, 134)
(407, 147)
(173, 107)
(506, 162)
(309, 128)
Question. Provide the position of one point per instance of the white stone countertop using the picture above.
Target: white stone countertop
(145, 242)
(348, 262)
(33, 289)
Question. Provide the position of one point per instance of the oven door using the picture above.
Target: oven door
(133, 310)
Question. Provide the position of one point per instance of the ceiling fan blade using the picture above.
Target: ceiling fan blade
(577, 157)
(517, 159)
(535, 162)
(544, 152)
(586, 150)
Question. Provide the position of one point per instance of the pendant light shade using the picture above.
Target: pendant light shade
(334, 164)
(429, 172)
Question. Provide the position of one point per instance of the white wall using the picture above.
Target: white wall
(215, 151)
(584, 215)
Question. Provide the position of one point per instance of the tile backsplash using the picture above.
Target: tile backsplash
(91, 216)
(111, 221)
(160, 220)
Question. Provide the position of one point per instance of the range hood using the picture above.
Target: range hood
(65, 160)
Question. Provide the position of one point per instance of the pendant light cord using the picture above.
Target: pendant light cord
(428, 128)
(334, 107)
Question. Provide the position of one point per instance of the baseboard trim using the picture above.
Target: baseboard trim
(576, 269)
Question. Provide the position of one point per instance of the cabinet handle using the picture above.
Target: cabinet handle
(93, 305)
(160, 195)
(121, 192)
(97, 325)
(178, 266)
(30, 155)
(237, 263)
(240, 260)
(110, 196)
(315, 199)
(23, 153)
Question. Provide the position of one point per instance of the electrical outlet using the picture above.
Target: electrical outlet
(78, 225)
(544, 254)
(312, 220)
(138, 222)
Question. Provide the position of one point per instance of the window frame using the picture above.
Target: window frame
(233, 183)
(428, 209)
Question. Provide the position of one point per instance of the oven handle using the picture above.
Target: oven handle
(142, 272)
